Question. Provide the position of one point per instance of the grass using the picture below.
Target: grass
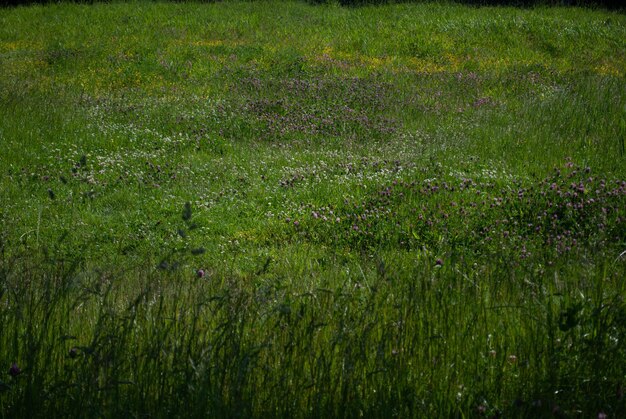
(277, 209)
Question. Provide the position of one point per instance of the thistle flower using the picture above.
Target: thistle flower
(14, 371)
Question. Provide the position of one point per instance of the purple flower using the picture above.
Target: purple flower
(200, 273)
(14, 371)
(439, 262)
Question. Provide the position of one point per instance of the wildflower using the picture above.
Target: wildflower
(200, 273)
(439, 262)
(73, 353)
(14, 371)
(512, 359)
(602, 415)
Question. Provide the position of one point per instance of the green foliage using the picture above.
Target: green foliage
(275, 209)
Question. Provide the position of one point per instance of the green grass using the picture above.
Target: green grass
(403, 210)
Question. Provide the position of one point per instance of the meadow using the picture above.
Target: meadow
(276, 209)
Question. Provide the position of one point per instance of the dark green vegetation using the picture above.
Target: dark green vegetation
(273, 209)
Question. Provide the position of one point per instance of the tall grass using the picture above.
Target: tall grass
(275, 209)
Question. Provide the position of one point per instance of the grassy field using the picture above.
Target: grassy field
(276, 209)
